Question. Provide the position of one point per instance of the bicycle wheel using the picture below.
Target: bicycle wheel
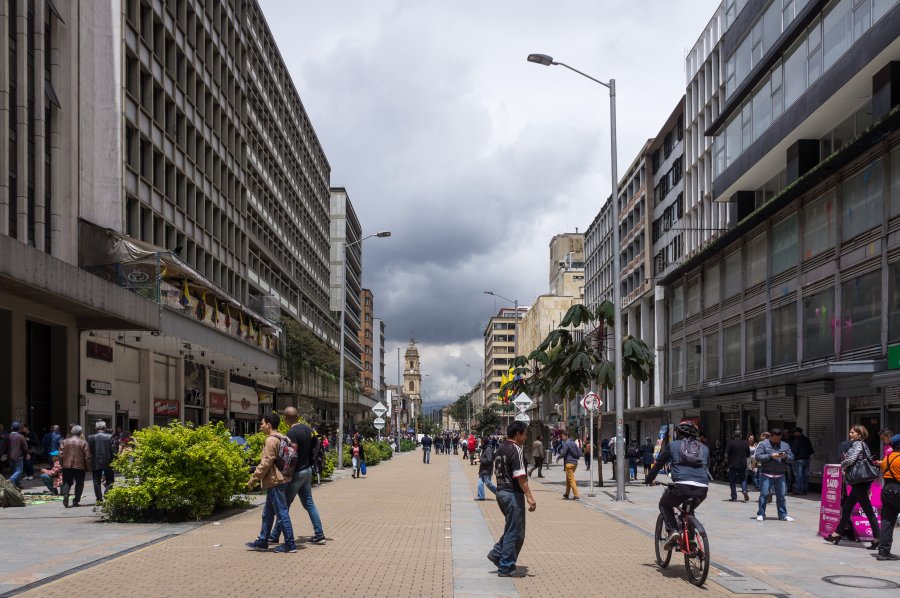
(696, 558)
(663, 554)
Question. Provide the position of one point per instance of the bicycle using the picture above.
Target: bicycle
(693, 542)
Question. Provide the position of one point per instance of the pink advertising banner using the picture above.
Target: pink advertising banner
(833, 488)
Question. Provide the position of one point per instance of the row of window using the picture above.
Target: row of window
(795, 238)
(842, 23)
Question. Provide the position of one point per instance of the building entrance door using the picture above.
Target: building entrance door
(872, 421)
(38, 378)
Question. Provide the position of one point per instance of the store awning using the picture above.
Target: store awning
(243, 400)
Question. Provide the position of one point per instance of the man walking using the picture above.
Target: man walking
(736, 453)
(512, 492)
(304, 440)
(17, 453)
(537, 454)
(803, 450)
(570, 454)
(773, 457)
(51, 440)
(75, 456)
(485, 467)
(102, 456)
(273, 481)
(426, 448)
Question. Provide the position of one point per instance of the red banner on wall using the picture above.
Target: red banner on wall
(166, 407)
(217, 402)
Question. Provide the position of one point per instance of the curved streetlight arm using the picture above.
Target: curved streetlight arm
(492, 293)
(573, 69)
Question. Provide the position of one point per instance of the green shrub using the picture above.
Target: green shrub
(328, 465)
(177, 473)
(375, 453)
(407, 444)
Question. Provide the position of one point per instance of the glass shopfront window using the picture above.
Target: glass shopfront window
(784, 245)
(784, 335)
(818, 226)
(756, 343)
(731, 337)
(861, 201)
(818, 325)
(711, 356)
(861, 311)
(733, 274)
(711, 286)
(756, 260)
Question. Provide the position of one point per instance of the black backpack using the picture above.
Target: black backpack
(691, 452)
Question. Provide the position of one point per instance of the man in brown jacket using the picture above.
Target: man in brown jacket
(274, 483)
(75, 456)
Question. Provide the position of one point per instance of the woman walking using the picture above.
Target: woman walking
(647, 456)
(859, 473)
(357, 457)
(752, 470)
(586, 451)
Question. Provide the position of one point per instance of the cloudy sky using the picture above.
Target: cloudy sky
(472, 157)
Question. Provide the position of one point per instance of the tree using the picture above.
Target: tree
(566, 367)
(460, 409)
(489, 420)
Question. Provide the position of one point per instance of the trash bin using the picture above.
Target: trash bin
(549, 460)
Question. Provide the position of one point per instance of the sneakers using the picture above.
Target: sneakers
(565, 497)
(513, 573)
(493, 559)
(66, 501)
(787, 518)
(672, 540)
(576, 498)
(746, 496)
(28, 477)
(257, 545)
(320, 540)
(886, 556)
(286, 548)
(760, 517)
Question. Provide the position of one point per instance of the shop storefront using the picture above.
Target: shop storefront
(194, 392)
(165, 411)
(244, 406)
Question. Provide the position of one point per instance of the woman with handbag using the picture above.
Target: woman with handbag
(859, 473)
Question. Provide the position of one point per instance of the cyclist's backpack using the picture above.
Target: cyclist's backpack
(691, 453)
(632, 452)
(286, 459)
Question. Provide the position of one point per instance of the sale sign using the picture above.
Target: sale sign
(833, 490)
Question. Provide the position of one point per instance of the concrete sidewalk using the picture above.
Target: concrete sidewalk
(789, 556)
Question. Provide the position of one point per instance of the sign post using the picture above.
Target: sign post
(379, 409)
(591, 402)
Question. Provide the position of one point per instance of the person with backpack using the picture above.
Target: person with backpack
(485, 469)
(274, 472)
(690, 477)
(306, 442)
(647, 455)
(774, 456)
(890, 499)
(632, 453)
(570, 453)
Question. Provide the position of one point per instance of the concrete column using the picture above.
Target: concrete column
(4, 121)
(40, 101)
(52, 215)
(18, 365)
(22, 75)
(147, 388)
(661, 337)
(647, 335)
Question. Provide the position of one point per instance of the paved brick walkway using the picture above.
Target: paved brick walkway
(390, 535)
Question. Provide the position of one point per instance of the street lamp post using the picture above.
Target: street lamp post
(344, 246)
(545, 60)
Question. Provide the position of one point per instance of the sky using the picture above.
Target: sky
(474, 158)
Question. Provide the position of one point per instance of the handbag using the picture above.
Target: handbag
(862, 469)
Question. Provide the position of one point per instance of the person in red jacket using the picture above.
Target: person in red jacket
(472, 445)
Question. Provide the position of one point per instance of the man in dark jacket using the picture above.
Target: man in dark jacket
(736, 453)
(101, 458)
(485, 468)
(570, 453)
(774, 457)
(426, 448)
(803, 450)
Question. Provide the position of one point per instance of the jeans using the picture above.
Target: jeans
(356, 465)
(485, 480)
(570, 480)
(507, 548)
(300, 484)
(632, 469)
(48, 481)
(801, 476)
(605, 455)
(97, 475)
(673, 497)
(426, 454)
(73, 475)
(780, 485)
(737, 475)
(859, 494)
(276, 505)
(890, 507)
(18, 468)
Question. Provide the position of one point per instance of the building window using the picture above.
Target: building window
(677, 304)
(861, 310)
(895, 182)
(711, 286)
(837, 26)
(861, 200)
(818, 226)
(692, 300)
(711, 356)
(756, 260)
(818, 325)
(733, 274)
(784, 335)
(894, 302)
(756, 343)
(693, 362)
(731, 338)
(784, 245)
(677, 366)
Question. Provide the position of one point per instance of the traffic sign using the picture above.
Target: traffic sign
(378, 423)
(522, 402)
(591, 402)
(522, 417)
(379, 409)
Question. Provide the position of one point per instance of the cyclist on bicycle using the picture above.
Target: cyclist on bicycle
(690, 478)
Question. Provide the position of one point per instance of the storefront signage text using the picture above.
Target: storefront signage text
(99, 351)
(166, 407)
(99, 387)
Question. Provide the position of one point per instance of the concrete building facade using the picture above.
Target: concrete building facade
(346, 271)
(499, 349)
(367, 343)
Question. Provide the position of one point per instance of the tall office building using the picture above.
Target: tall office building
(367, 343)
